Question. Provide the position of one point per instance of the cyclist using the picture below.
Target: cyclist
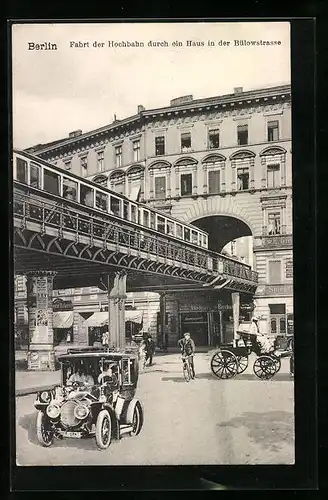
(187, 346)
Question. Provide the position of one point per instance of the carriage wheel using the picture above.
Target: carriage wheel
(242, 363)
(277, 362)
(224, 364)
(264, 367)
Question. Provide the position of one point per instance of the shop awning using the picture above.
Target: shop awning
(101, 318)
(62, 319)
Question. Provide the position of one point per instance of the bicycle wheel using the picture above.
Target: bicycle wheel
(186, 371)
(191, 370)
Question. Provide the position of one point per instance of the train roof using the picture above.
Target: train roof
(37, 159)
(112, 356)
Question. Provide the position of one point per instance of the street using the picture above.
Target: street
(206, 421)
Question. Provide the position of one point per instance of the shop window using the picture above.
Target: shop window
(214, 139)
(160, 145)
(273, 131)
(214, 181)
(242, 179)
(185, 142)
(160, 188)
(242, 135)
(273, 324)
(186, 184)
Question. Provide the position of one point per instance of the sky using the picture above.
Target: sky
(58, 91)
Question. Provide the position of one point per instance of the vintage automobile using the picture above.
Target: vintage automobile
(95, 399)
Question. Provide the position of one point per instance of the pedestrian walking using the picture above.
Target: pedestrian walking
(150, 349)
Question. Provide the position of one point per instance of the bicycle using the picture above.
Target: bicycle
(187, 368)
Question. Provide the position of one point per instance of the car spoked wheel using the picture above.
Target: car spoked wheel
(137, 420)
(103, 430)
(44, 431)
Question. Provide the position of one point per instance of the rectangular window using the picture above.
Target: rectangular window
(146, 218)
(160, 224)
(86, 196)
(125, 210)
(35, 176)
(186, 184)
(194, 237)
(69, 189)
(160, 145)
(274, 225)
(242, 179)
(273, 131)
(136, 150)
(51, 182)
(68, 165)
(84, 166)
(273, 176)
(214, 181)
(170, 227)
(179, 231)
(100, 161)
(242, 135)
(115, 206)
(213, 138)
(134, 213)
(102, 200)
(152, 220)
(21, 170)
(185, 142)
(277, 308)
(186, 234)
(118, 156)
(160, 188)
(274, 271)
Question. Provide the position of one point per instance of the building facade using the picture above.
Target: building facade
(223, 163)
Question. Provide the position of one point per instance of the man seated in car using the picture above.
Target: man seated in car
(81, 376)
(107, 373)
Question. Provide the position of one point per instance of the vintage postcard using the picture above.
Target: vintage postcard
(153, 243)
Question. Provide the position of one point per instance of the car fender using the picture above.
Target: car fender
(130, 410)
(115, 422)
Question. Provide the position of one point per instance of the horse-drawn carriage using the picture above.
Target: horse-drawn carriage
(231, 360)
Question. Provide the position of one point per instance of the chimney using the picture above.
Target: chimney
(140, 108)
(75, 133)
(238, 90)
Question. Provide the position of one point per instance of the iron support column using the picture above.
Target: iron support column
(162, 311)
(41, 353)
(116, 309)
(235, 312)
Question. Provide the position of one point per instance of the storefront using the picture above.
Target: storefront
(97, 325)
(63, 318)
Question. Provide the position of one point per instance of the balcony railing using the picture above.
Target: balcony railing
(277, 241)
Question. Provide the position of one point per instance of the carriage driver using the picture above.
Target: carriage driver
(187, 346)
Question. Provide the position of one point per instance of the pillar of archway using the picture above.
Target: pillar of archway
(41, 354)
(116, 309)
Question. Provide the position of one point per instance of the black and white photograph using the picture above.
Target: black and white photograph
(153, 243)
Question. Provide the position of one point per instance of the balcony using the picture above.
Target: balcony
(274, 242)
(278, 290)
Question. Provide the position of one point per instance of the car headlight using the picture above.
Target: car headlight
(45, 397)
(81, 412)
(53, 410)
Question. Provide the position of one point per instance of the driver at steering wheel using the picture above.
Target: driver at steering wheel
(81, 376)
(106, 374)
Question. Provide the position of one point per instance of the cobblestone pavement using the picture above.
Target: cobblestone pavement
(205, 421)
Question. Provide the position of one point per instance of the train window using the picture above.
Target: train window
(204, 241)
(102, 200)
(179, 231)
(186, 233)
(170, 227)
(146, 218)
(115, 206)
(51, 182)
(161, 224)
(35, 176)
(69, 189)
(21, 169)
(86, 196)
(133, 213)
(125, 210)
(194, 237)
(152, 220)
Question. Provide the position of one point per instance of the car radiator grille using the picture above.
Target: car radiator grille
(67, 414)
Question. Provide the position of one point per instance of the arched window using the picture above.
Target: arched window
(273, 325)
(214, 174)
(117, 181)
(242, 164)
(101, 180)
(136, 182)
